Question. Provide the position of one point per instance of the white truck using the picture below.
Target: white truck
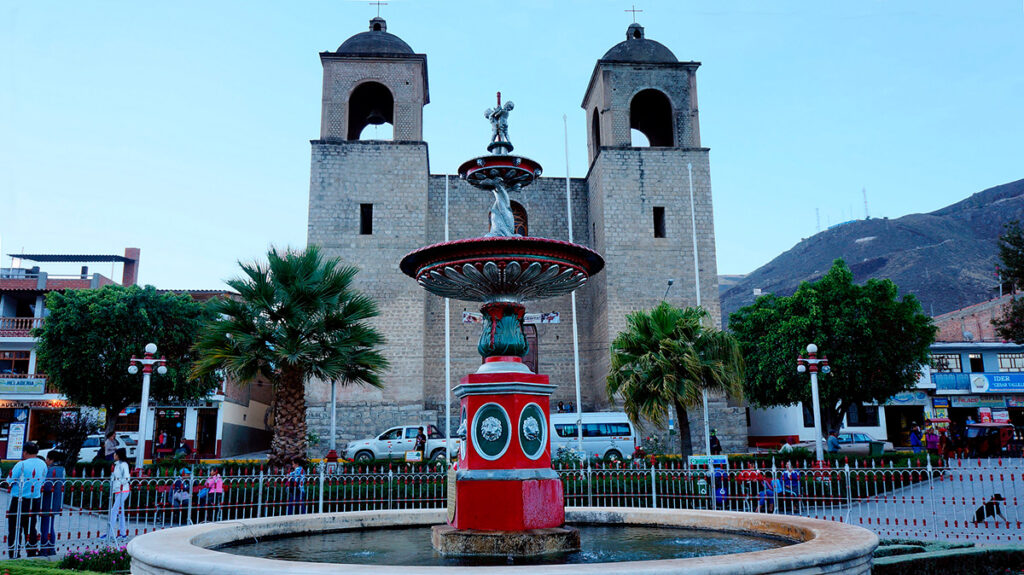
(396, 441)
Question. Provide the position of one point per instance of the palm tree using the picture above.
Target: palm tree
(295, 318)
(667, 358)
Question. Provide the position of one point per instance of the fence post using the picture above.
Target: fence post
(259, 495)
(654, 485)
(849, 492)
(590, 489)
(189, 487)
(391, 485)
(320, 503)
(771, 485)
(931, 496)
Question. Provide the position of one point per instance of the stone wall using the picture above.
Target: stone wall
(359, 421)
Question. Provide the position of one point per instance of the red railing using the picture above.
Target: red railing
(19, 326)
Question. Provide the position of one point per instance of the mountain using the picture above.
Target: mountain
(946, 258)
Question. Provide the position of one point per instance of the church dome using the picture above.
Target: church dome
(636, 48)
(376, 41)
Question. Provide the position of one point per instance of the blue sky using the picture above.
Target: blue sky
(183, 128)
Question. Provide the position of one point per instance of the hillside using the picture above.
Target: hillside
(946, 258)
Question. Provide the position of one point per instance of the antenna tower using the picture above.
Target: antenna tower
(864, 192)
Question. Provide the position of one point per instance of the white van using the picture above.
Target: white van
(608, 435)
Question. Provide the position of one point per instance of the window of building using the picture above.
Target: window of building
(976, 363)
(946, 362)
(14, 362)
(808, 415)
(860, 415)
(659, 222)
(595, 127)
(365, 219)
(1011, 362)
(520, 223)
(650, 113)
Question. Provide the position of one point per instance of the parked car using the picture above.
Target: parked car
(851, 443)
(396, 441)
(93, 446)
(608, 435)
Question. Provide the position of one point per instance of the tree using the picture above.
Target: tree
(876, 343)
(296, 317)
(665, 359)
(71, 430)
(1011, 251)
(89, 337)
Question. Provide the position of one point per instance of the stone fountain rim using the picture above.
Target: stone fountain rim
(500, 248)
(184, 550)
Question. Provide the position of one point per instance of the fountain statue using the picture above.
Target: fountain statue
(506, 453)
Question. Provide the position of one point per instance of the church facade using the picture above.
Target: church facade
(647, 210)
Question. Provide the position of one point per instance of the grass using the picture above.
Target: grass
(39, 567)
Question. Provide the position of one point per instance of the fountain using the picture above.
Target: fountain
(505, 503)
(506, 451)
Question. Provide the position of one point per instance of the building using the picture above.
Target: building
(646, 209)
(230, 421)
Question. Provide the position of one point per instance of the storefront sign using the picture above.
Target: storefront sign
(940, 402)
(1000, 416)
(977, 401)
(909, 398)
(1014, 401)
(984, 415)
(22, 385)
(997, 382)
(16, 404)
(16, 439)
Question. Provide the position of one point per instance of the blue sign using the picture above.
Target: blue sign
(997, 382)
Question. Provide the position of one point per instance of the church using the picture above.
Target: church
(646, 210)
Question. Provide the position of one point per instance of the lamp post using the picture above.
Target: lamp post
(147, 362)
(813, 364)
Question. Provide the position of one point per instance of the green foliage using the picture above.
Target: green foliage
(71, 430)
(297, 318)
(87, 341)
(38, 567)
(665, 359)
(105, 560)
(876, 343)
(1011, 251)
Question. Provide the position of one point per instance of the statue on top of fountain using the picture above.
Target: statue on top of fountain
(503, 222)
(500, 144)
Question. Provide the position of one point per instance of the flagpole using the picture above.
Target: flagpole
(696, 276)
(575, 328)
(447, 348)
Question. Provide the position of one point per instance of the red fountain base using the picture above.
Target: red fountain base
(503, 478)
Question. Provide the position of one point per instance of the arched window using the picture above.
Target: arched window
(371, 112)
(595, 127)
(650, 113)
(521, 226)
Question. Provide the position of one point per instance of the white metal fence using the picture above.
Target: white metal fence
(919, 502)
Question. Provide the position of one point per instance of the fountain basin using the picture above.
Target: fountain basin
(822, 546)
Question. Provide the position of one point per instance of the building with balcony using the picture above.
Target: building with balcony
(230, 421)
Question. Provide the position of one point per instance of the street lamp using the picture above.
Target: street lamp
(813, 364)
(147, 361)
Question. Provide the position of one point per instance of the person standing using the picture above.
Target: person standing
(716, 445)
(26, 481)
(109, 447)
(915, 439)
(833, 441)
(120, 487)
(52, 503)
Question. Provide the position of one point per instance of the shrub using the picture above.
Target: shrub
(106, 560)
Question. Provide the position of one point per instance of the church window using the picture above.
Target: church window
(521, 225)
(595, 127)
(659, 222)
(650, 113)
(366, 219)
(371, 112)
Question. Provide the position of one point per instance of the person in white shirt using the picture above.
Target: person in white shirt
(120, 488)
(26, 481)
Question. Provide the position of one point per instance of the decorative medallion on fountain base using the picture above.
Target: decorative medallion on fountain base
(469, 542)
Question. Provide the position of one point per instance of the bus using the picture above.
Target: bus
(608, 435)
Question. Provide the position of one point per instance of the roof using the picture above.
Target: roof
(71, 258)
(639, 49)
(376, 41)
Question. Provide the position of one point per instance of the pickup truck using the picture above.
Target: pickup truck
(393, 443)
